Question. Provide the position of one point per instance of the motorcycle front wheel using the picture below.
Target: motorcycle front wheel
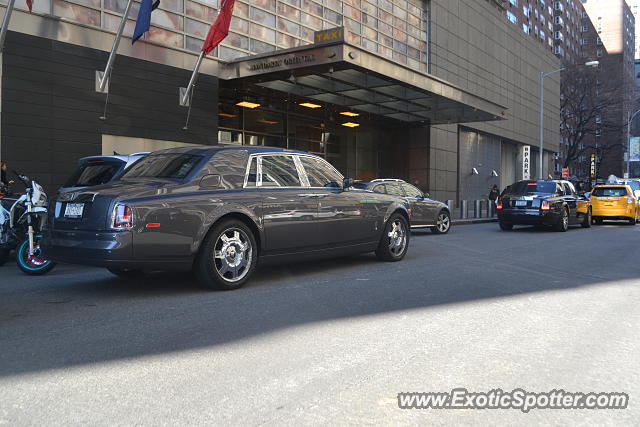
(36, 264)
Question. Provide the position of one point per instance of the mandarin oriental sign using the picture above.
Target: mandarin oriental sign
(330, 35)
(280, 62)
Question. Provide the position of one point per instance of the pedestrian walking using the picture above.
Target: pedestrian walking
(493, 195)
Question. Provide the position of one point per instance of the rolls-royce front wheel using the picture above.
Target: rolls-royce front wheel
(228, 256)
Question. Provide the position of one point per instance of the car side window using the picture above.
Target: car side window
(320, 173)
(252, 173)
(279, 171)
(394, 189)
(411, 191)
(559, 189)
(380, 188)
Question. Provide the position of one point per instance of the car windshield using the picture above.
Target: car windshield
(176, 166)
(609, 192)
(533, 187)
(94, 172)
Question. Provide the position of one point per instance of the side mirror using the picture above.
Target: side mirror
(210, 181)
(346, 183)
(587, 194)
(426, 196)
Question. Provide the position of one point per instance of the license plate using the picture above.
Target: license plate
(521, 203)
(74, 210)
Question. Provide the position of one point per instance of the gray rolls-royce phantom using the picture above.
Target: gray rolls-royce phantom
(217, 210)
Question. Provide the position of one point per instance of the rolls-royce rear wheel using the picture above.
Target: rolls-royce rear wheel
(395, 239)
(228, 256)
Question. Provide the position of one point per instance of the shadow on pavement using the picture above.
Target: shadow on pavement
(88, 316)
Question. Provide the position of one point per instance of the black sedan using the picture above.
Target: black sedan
(216, 210)
(425, 212)
(543, 202)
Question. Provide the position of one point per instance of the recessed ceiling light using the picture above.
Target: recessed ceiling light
(268, 122)
(226, 115)
(351, 125)
(247, 104)
(309, 105)
(349, 114)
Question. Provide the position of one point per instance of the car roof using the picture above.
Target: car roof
(622, 184)
(211, 149)
(380, 181)
(123, 157)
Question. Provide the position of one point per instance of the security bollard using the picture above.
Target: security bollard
(450, 205)
(491, 209)
(477, 209)
(463, 209)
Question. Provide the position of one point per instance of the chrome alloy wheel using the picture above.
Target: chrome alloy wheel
(397, 237)
(444, 222)
(565, 220)
(233, 255)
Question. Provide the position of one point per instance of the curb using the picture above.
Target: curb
(473, 221)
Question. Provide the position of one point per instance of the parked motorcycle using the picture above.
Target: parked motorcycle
(21, 229)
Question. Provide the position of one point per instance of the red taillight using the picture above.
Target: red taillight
(122, 217)
(499, 205)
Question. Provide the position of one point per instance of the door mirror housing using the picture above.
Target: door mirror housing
(426, 196)
(587, 194)
(346, 183)
(210, 181)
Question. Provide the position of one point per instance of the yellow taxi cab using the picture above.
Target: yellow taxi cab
(614, 201)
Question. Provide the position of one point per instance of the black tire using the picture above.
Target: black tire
(4, 256)
(586, 222)
(563, 222)
(598, 221)
(505, 226)
(35, 265)
(213, 272)
(443, 223)
(125, 272)
(394, 242)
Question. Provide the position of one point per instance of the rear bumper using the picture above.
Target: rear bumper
(100, 249)
(103, 249)
(613, 212)
(528, 217)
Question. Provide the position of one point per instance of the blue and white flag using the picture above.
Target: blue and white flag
(144, 18)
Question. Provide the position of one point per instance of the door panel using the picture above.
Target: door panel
(289, 218)
(346, 217)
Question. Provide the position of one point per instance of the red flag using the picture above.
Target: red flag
(30, 4)
(220, 28)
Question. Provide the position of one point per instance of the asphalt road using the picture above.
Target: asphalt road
(332, 342)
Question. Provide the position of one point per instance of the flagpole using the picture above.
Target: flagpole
(5, 23)
(102, 77)
(185, 92)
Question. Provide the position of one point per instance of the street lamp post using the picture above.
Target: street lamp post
(543, 75)
(631, 117)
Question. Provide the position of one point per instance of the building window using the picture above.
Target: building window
(511, 17)
(599, 53)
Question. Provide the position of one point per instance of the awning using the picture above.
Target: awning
(348, 76)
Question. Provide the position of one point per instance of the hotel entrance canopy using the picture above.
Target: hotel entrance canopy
(355, 79)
